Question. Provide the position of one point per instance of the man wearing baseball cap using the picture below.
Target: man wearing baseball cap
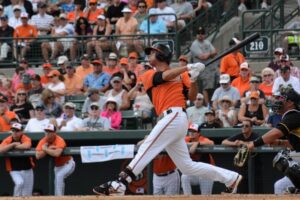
(5, 114)
(73, 83)
(53, 145)
(194, 140)
(5, 31)
(112, 64)
(85, 68)
(19, 168)
(68, 120)
(242, 83)
(61, 63)
(27, 31)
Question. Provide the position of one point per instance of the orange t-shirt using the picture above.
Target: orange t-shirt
(230, 64)
(203, 156)
(18, 163)
(166, 95)
(25, 31)
(73, 85)
(5, 126)
(45, 80)
(83, 72)
(138, 69)
(92, 15)
(267, 89)
(241, 85)
(162, 164)
(57, 143)
(111, 71)
(71, 16)
(150, 3)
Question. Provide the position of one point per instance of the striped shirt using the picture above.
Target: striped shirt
(42, 22)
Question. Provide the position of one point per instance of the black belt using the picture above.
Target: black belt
(169, 111)
(166, 174)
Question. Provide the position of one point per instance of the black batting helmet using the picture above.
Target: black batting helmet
(163, 52)
(286, 94)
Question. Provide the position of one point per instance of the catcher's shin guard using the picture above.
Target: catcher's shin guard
(284, 163)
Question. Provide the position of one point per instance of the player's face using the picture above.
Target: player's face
(152, 57)
(193, 135)
(16, 134)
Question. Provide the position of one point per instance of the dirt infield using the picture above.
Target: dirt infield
(179, 197)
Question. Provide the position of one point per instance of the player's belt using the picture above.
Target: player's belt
(165, 174)
(170, 110)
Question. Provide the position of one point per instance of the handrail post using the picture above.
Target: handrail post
(51, 175)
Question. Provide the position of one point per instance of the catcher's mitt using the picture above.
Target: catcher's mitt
(241, 157)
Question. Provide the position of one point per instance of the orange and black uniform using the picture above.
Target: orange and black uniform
(18, 163)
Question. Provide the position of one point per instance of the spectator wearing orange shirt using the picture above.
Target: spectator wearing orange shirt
(242, 83)
(85, 68)
(53, 145)
(230, 64)
(24, 31)
(5, 115)
(112, 66)
(73, 82)
(266, 86)
(92, 12)
(47, 67)
(74, 15)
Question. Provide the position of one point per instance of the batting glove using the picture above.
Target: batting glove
(196, 67)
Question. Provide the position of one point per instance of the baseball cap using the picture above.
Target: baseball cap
(41, 4)
(285, 57)
(254, 79)
(133, 55)
(98, 62)
(183, 58)
(234, 41)
(278, 50)
(92, 91)
(63, 16)
(54, 73)
(94, 104)
(244, 65)
(200, 96)
(201, 30)
(209, 112)
(84, 57)
(226, 98)
(47, 65)
(285, 68)
(116, 78)
(92, 1)
(24, 15)
(4, 17)
(112, 56)
(193, 127)
(16, 126)
(16, 7)
(124, 61)
(111, 99)
(70, 105)
(62, 60)
(3, 98)
(224, 78)
(101, 17)
(254, 95)
(50, 127)
(126, 10)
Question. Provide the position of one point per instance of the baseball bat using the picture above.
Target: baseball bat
(244, 42)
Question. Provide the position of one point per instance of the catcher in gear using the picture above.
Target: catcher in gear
(289, 127)
(240, 160)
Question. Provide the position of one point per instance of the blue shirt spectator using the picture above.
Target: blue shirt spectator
(68, 7)
(156, 25)
(274, 119)
(98, 79)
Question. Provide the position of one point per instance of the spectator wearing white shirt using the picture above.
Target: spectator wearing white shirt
(93, 97)
(60, 45)
(170, 19)
(42, 20)
(196, 113)
(68, 121)
(57, 86)
(285, 80)
(39, 123)
(9, 10)
(15, 20)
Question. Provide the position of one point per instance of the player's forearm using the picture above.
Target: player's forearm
(23, 146)
(193, 91)
(53, 152)
(173, 73)
(272, 135)
(6, 148)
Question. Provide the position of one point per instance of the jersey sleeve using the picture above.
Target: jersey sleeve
(186, 80)
(6, 141)
(289, 122)
(147, 79)
(40, 144)
(26, 139)
(60, 143)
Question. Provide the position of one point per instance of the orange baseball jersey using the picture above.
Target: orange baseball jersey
(25, 31)
(166, 95)
(162, 164)
(18, 163)
(4, 125)
(203, 157)
(230, 64)
(57, 143)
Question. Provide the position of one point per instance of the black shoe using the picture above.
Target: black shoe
(110, 188)
(292, 190)
(234, 187)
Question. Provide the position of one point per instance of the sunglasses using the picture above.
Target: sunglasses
(266, 75)
(94, 108)
(48, 131)
(92, 4)
(50, 76)
(116, 82)
(254, 81)
(142, 6)
(244, 70)
(39, 109)
(224, 83)
(21, 94)
(70, 108)
(246, 125)
(199, 99)
(50, 97)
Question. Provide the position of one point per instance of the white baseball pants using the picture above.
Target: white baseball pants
(187, 181)
(166, 185)
(61, 173)
(169, 134)
(23, 180)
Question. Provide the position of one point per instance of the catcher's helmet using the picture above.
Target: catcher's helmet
(287, 94)
(163, 52)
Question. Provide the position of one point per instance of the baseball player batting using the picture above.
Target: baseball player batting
(165, 88)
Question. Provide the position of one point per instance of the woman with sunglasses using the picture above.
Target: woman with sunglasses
(111, 111)
(22, 107)
(19, 168)
(82, 28)
(57, 86)
(267, 82)
(226, 113)
(52, 109)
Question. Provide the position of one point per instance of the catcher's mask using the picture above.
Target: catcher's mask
(288, 94)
